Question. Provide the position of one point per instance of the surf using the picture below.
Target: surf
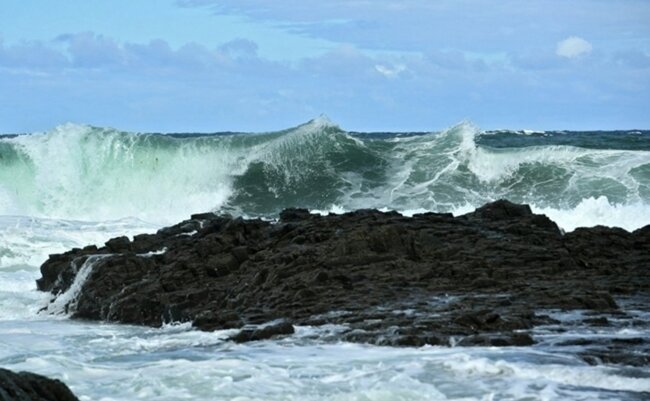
(85, 173)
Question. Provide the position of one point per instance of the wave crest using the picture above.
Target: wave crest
(90, 173)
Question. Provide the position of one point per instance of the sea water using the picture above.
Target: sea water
(78, 185)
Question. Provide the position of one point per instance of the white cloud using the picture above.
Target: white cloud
(572, 47)
(390, 72)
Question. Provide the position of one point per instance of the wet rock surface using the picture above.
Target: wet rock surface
(25, 386)
(484, 278)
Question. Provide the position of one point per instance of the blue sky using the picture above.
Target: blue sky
(251, 65)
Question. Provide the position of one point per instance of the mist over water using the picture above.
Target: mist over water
(77, 185)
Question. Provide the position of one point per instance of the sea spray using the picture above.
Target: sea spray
(98, 174)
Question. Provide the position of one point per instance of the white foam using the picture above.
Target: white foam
(86, 173)
(589, 212)
(65, 304)
(153, 253)
(29, 240)
(599, 211)
(334, 209)
(18, 296)
(125, 362)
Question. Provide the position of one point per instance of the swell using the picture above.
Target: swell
(89, 173)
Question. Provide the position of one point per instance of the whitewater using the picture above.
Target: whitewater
(78, 185)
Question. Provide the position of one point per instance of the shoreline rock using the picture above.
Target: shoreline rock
(484, 278)
(26, 386)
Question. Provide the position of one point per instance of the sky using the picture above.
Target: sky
(369, 65)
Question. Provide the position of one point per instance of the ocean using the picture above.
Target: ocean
(77, 185)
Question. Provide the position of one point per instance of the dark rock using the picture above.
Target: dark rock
(321, 276)
(25, 386)
(203, 216)
(615, 357)
(484, 282)
(521, 339)
(598, 321)
(288, 215)
(119, 244)
(577, 342)
(499, 340)
(502, 210)
(477, 279)
(240, 253)
(208, 321)
(264, 333)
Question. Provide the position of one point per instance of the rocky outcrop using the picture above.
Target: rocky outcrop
(484, 278)
(25, 386)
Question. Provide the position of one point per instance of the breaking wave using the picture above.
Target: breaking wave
(96, 174)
